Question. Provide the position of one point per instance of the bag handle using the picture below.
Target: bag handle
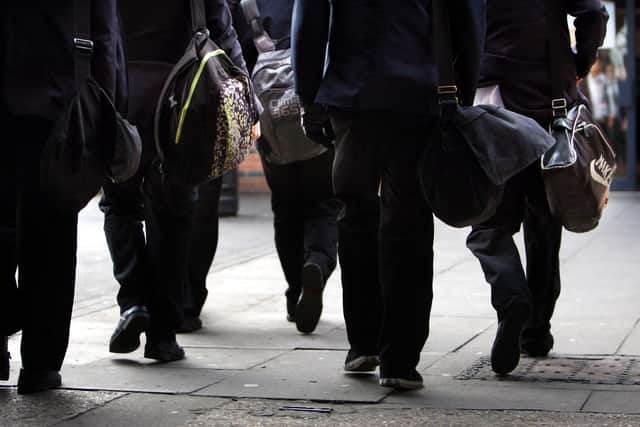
(555, 40)
(261, 39)
(198, 17)
(447, 86)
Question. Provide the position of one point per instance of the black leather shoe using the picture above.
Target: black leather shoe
(189, 324)
(360, 362)
(4, 358)
(163, 350)
(126, 337)
(505, 353)
(411, 380)
(293, 296)
(31, 381)
(535, 344)
(309, 307)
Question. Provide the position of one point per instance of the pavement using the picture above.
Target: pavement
(249, 366)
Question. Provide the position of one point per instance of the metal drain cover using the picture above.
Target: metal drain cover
(586, 370)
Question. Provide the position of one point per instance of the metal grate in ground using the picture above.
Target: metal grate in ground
(586, 370)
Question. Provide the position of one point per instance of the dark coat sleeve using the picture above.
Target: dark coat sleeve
(222, 32)
(469, 26)
(591, 26)
(309, 37)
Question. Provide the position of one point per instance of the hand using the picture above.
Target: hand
(255, 132)
(316, 124)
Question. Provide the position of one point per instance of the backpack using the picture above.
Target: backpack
(205, 112)
(283, 139)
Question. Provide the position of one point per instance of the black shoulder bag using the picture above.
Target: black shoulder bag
(578, 169)
(472, 151)
(90, 141)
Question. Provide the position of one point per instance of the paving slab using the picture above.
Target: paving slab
(301, 374)
(456, 395)
(47, 408)
(136, 409)
(632, 344)
(208, 358)
(130, 375)
(617, 402)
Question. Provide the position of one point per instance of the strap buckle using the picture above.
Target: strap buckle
(559, 107)
(448, 94)
(83, 45)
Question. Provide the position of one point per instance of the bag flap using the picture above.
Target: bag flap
(504, 142)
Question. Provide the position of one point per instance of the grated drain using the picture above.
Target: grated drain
(586, 370)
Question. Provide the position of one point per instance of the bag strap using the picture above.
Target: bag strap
(198, 16)
(553, 12)
(261, 39)
(447, 87)
(82, 44)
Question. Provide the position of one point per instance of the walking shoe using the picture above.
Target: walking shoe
(534, 344)
(309, 305)
(126, 337)
(165, 350)
(409, 381)
(360, 363)
(292, 301)
(189, 324)
(31, 381)
(4, 358)
(505, 353)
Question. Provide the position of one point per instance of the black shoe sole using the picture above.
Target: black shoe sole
(309, 307)
(127, 338)
(163, 356)
(505, 353)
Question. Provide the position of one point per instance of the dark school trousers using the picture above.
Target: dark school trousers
(385, 235)
(40, 242)
(524, 202)
(304, 216)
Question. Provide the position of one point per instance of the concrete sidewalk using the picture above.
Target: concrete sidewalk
(249, 364)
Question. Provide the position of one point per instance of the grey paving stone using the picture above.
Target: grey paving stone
(301, 374)
(131, 375)
(618, 402)
(143, 410)
(590, 336)
(478, 396)
(448, 333)
(47, 408)
(213, 358)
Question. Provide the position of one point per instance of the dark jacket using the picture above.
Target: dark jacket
(156, 34)
(380, 54)
(37, 75)
(275, 16)
(517, 58)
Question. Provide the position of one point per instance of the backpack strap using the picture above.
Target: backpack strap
(198, 17)
(262, 40)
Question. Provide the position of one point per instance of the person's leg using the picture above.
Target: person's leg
(319, 209)
(202, 251)
(169, 214)
(288, 227)
(356, 178)
(10, 313)
(47, 241)
(492, 243)
(542, 236)
(406, 250)
(123, 208)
